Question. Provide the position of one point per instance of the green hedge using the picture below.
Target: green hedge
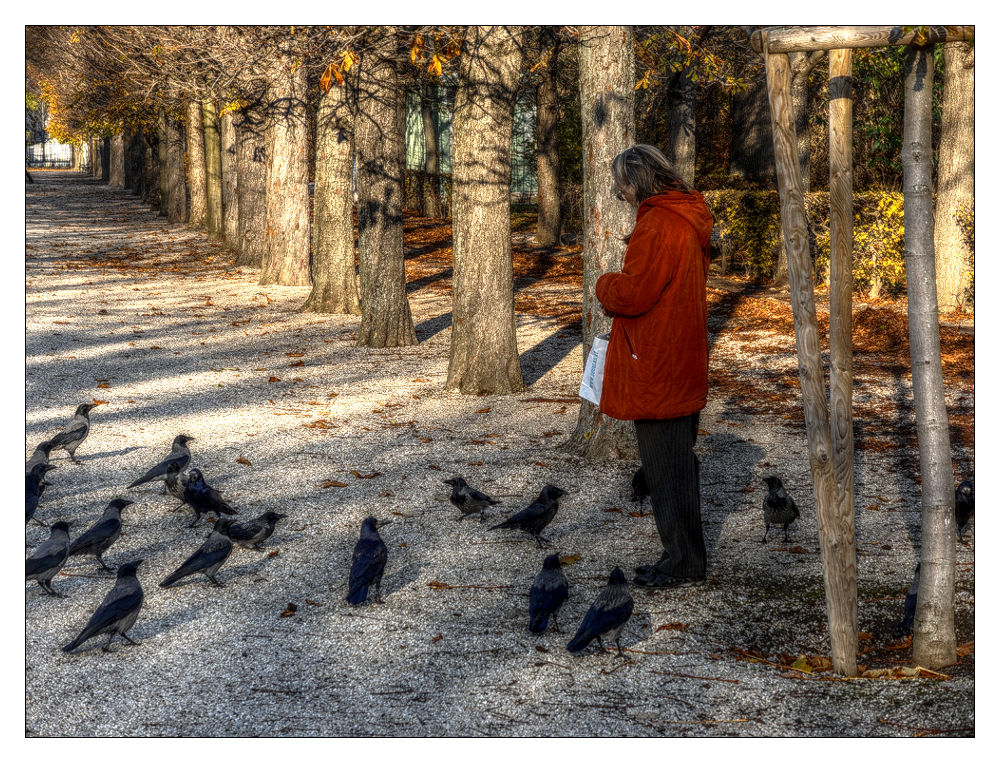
(749, 222)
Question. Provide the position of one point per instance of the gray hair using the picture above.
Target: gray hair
(647, 170)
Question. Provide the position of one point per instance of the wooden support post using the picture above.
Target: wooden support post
(837, 549)
(841, 321)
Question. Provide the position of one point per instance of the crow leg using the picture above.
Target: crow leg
(103, 564)
(107, 647)
(620, 652)
(539, 540)
(767, 529)
(39, 522)
(600, 643)
(197, 517)
(126, 637)
(786, 533)
(555, 623)
(212, 578)
(378, 593)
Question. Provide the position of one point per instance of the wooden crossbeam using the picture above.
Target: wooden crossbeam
(792, 39)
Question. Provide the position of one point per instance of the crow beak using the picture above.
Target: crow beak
(383, 522)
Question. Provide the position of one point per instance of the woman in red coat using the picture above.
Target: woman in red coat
(656, 370)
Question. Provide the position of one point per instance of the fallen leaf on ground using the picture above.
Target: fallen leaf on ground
(483, 410)
(797, 550)
(862, 636)
(405, 514)
(361, 476)
(703, 432)
(617, 511)
(290, 610)
(294, 354)
(873, 507)
(276, 551)
(334, 483)
(966, 649)
(475, 463)
(638, 514)
(314, 603)
(802, 664)
(296, 364)
(541, 649)
(569, 559)
(105, 402)
(103, 385)
(437, 638)
(386, 494)
(434, 466)
(242, 460)
(274, 379)
(674, 627)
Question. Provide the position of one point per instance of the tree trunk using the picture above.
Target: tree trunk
(380, 145)
(335, 286)
(116, 164)
(251, 184)
(432, 183)
(95, 157)
(607, 107)
(128, 163)
(213, 170)
(230, 200)
(106, 160)
(286, 254)
(751, 149)
(177, 206)
(484, 355)
(683, 120)
(802, 65)
(836, 531)
(956, 184)
(934, 623)
(549, 226)
(194, 132)
(151, 174)
(161, 128)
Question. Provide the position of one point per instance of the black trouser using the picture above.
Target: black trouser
(666, 447)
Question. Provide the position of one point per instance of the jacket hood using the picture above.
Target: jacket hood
(690, 206)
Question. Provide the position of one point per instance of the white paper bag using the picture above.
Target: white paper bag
(593, 371)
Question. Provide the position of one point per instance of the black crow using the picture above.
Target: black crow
(34, 486)
(204, 498)
(179, 454)
(368, 563)
(207, 559)
(965, 507)
(779, 508)
(467, 499)
(548, 593)
(606, 616)
(537, 516)
(640, 488)
(75, 432)
(104, 532)
(255, 531)
(49, 558)
(40, 456)
(119, 610)
(910, 605)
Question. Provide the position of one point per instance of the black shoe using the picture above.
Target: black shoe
(661, 581)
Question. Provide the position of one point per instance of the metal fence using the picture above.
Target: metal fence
(51, 154)
(523, 178)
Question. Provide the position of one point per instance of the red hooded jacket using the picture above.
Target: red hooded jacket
(657, 361)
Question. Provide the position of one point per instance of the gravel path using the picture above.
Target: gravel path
(152, 318)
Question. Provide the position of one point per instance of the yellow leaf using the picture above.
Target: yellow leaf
(569, 559)
(349, 60)
(242, 460)
(802, 664)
